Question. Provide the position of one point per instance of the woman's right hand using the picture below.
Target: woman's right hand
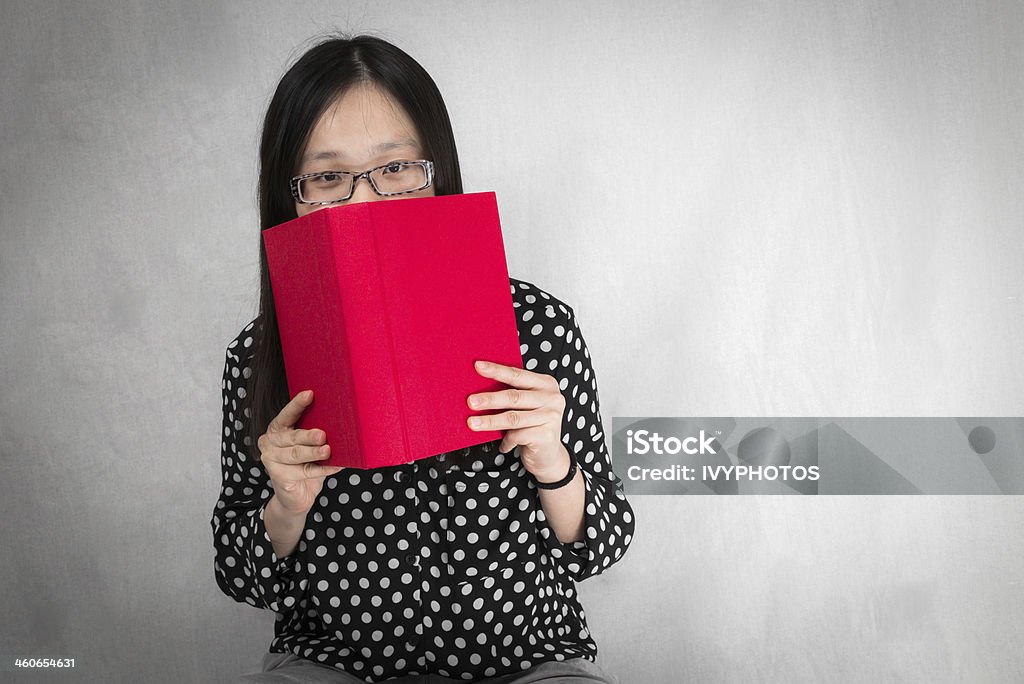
(290, 457)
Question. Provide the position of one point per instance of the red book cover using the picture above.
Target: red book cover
(382, 309)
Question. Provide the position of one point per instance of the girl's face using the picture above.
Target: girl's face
(363, 129)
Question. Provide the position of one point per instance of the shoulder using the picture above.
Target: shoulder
(241, 347)
(527, 296)
(544, 322)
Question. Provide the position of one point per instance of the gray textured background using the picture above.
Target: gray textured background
(757, 208)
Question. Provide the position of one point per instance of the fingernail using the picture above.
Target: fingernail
(324, 449)
(474, 422)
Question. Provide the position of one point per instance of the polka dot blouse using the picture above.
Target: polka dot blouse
(442, 565)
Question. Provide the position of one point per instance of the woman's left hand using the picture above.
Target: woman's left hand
(534, 421)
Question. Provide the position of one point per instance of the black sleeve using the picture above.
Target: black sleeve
(608, 517)
(245, 565)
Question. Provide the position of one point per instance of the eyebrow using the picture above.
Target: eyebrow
(379, 149)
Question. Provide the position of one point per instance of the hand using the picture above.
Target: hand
(535, 423)
(289, 456)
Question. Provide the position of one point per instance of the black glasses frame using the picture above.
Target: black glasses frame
(428, 167)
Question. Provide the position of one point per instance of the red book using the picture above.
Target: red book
(382, 309)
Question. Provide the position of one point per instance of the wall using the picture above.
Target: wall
(756, 208)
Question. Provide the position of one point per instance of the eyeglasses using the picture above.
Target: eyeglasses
(393, 178)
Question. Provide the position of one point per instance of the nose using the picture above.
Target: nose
(363, 192)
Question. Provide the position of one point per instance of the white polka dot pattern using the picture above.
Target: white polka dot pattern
(443, 565)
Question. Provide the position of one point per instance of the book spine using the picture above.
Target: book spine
(339, 332)
(389, 334)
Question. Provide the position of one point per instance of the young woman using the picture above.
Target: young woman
(461, 566)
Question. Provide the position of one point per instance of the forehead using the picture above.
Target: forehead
(358, 123)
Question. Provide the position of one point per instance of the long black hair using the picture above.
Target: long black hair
(318, 78)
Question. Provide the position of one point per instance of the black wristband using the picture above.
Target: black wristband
(564, 481)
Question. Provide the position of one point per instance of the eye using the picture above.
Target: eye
(326, 179)
(393, 167)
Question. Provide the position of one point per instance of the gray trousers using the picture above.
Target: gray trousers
(288, 668)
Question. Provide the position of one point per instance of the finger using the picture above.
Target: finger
(297, 454)
(291, 437)
(507, 398)
(310, 437)
(510, 375)
(300, 453)
(512, 420)
(291, 412)
(525, 437)
(507, 447)
(315, 471)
